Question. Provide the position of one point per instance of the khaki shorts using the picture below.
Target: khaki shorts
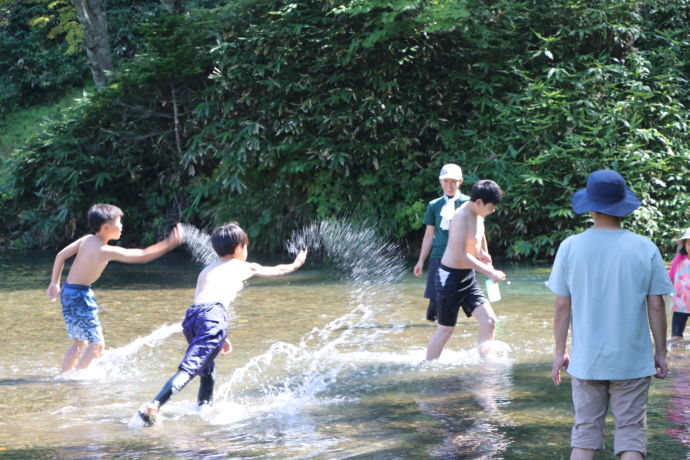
(628, 400)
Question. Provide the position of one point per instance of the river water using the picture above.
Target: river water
(328, 362)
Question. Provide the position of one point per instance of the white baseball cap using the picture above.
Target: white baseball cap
(451, 171)
(686, 236)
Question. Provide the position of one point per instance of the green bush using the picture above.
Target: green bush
(117, 145)
(39, 64)
(359, 109)
(32, 67)
(322, 109)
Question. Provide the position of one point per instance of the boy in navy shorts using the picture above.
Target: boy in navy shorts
(456, 283)
(79, 307)
(205, 325)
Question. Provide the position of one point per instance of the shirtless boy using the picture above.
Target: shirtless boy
(205, 325)
(93, 253)
(456, 283)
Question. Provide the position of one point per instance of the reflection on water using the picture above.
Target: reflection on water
(679, 407)
(327, 363)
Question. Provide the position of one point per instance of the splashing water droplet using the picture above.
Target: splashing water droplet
(289, 376)
(199, 245)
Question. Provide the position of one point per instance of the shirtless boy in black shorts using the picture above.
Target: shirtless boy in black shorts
(456, 283)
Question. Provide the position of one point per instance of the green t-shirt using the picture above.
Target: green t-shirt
(433, 217)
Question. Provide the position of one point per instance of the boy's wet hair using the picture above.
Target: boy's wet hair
(227, 237)
(101, 213)
(486, 190)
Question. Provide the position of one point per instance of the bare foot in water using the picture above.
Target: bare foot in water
(486, 349)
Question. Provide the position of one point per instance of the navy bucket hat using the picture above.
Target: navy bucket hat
(606, 193)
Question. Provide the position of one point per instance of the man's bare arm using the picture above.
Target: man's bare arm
(561, 324)
(656, 312)
(427, 243)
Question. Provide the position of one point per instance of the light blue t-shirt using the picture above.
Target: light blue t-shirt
(608, 275)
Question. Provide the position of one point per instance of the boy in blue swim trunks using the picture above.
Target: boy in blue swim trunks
(93, 253)
(205, 325)
(456, 283)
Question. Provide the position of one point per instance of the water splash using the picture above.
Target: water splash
(287, 377)
(359, 252)
(199, 245)
(116, 363)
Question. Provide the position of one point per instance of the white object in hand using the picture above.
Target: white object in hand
(492, 291)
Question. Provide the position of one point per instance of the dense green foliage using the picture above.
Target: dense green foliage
(32, 66)
(318, 109)
(41, 52)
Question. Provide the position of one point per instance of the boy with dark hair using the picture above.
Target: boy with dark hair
(456, 283)
(437, 217)
(205, 325)
(93, 253)
(99, 214)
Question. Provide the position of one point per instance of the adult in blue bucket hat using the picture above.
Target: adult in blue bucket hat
(609, 285)
(606, 193)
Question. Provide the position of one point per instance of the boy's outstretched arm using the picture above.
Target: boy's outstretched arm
(278, 270)
(140, 256)
(68, 251)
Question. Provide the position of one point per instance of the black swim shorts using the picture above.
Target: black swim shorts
(455, 288)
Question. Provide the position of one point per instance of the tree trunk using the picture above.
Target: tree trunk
(91, 16)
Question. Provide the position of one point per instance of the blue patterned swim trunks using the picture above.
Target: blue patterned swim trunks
(80, 311)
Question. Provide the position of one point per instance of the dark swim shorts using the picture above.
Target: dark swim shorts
(205, 327)
(455, 288)
(80, 310)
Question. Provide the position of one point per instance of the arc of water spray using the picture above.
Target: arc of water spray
(199, 245)
(371, 266)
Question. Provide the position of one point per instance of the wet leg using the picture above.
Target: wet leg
(438, 341)
(93, 351)
(73, 354)
(172, 386)
(149, 412)
(486, 318)
(206, 384)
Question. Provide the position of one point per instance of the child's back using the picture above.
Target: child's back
(221, 281)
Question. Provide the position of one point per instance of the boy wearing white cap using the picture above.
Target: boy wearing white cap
(437, 218)
(601, 277)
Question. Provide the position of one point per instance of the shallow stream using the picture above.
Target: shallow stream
(328, 362)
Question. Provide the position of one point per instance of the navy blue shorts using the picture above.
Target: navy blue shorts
(205, 327)
(430, 290)
(455, 288)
